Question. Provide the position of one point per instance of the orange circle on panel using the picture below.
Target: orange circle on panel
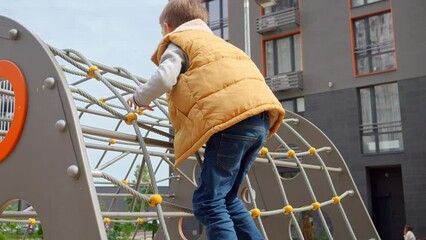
(9, 71)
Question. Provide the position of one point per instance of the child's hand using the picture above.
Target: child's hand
(135, 107)
(147, 107)
(132, 104)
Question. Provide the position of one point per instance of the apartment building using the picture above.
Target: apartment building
(355, 69)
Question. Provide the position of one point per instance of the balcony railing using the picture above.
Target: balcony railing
(284, 19)
(285, 81)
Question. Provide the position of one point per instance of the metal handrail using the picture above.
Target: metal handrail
(381, 125)
(217, 24)
(379, 47)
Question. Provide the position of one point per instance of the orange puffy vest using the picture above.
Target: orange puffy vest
(221, 87)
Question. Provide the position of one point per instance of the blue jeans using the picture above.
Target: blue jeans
(228, 157)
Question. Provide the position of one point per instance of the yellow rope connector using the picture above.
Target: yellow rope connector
(140, 111)
(316, 206)
(140, 221)
(125, 182)
(288, 209)
(312, 151)
(255, 212)
(130, 117)
(291, 153)
(336, 200)
(155, 199)
(107, 220)
(102, 100)
(32, 221)
(92, 70)
(112, 141)
(263, 151)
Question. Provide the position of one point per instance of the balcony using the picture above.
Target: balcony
(284, 19)
(292, 80)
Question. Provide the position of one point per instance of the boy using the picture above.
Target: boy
(216, 96)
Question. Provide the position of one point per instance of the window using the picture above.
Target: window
(218, 17)
(374, 44)
(381, 128)
(282, 55)
(280, 5)
(356, 3)
(296, 105)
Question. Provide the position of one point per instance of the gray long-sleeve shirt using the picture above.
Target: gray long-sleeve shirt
(165, 77)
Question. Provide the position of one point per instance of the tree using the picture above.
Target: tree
(126, 229)
(145, 189)
(11, 230)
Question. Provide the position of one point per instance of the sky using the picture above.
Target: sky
(116, 33)
(122, 33)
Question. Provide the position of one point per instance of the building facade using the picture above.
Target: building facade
(355, 69)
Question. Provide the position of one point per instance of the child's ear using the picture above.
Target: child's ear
(168, 28)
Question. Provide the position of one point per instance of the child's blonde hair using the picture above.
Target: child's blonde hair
(178, 12)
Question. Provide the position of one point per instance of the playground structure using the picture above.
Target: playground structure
(71, 124)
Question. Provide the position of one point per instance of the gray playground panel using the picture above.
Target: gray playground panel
(36, 170)
(68, 208)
